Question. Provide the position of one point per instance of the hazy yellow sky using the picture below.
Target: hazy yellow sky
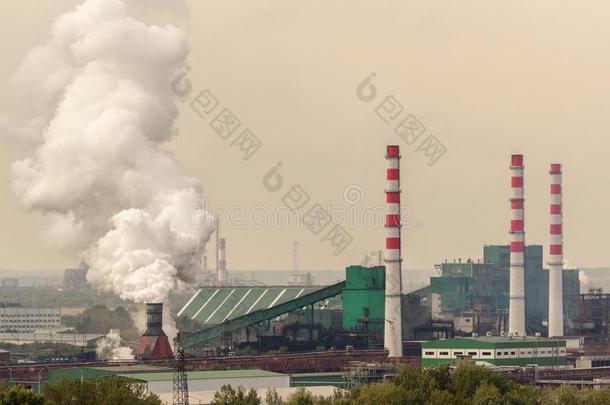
(487, 78)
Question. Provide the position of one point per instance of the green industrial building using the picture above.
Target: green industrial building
(498, 351)
(475, 294)
(350, 312)
(364, 299)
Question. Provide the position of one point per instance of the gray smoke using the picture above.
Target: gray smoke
(96, 110)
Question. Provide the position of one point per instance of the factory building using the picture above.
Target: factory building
(498, 351)
(8, 283)
(25, 320)
(204, 384)
(592, 316)
(76, 279)
(346, 313)
(159, 383)
(73, 339)
(475, 295)
(363, 299)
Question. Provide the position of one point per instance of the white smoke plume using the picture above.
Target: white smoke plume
(96, 110)
(109, 348)
(585, 282)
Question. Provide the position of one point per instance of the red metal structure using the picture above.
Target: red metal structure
(154, 344)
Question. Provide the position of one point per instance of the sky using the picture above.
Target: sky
(487, 79)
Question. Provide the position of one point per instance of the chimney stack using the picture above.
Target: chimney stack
(222, 262)
(556, 254)
(393, 259)
(516, 321)
(154, 344)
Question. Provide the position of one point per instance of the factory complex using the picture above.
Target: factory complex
(505, 309)
(508, 310)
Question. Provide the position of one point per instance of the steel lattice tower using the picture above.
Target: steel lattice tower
(181, 388)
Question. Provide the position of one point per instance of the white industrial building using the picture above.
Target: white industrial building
(206, 397)
(159, 383)
(26, 320)
(74, 339)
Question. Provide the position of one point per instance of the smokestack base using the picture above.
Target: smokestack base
(154, 348)
(154, 343)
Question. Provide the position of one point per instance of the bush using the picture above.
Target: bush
(231, 396)
(19, 395)
(100, 391)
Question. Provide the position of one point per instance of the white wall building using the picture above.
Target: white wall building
(159, 383)
(29, 319)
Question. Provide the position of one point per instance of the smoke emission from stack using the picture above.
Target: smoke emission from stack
(99, 110)
(109, 348)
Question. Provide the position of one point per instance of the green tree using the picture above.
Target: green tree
(19, 395)
(100, 319)
(522, 395)
(438, 397)
(273, 398)
(560, 396)
(467, 378)
(421, 383)
(382, 393)
(487, 394)
(101, 391)
(301, 397)
(227, 395)
(601, 397)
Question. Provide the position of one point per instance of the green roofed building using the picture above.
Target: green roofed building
(214, 305)
(349, 312)
(498, 351)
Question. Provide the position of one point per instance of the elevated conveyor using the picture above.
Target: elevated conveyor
(261, 315)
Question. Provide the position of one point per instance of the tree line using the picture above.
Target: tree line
(465, 385)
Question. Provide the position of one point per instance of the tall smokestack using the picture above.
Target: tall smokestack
(154, 320)
(222, 261)
(393, 259)
(516, 319)
(154, 344)
(556, 254)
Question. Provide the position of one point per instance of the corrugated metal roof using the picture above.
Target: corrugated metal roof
(214, 305)
(135, 368)
(204, 375)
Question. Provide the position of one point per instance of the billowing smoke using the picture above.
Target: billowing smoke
(109, 348)
(96, 110)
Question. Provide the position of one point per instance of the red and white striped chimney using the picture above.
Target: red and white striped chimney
(556, 254)
(516, 315)
(222, 262)
(393, 259)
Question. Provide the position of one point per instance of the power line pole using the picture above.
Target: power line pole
(181, 388)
